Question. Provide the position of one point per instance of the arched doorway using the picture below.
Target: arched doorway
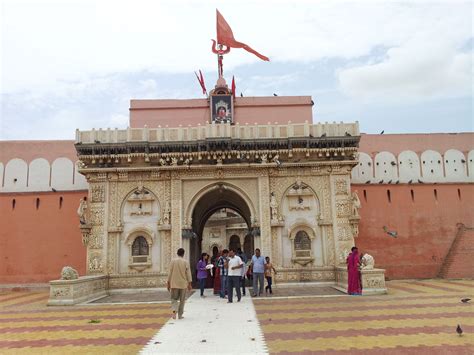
(234, 242)
(221, 202)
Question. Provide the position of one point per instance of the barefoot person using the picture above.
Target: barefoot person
(179, 279)
(234, 266)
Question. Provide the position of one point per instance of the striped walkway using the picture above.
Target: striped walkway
(416, 317)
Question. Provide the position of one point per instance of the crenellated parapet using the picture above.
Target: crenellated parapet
(429, 166)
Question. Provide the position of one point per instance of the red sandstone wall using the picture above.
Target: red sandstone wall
(426, 226)
(36, 243)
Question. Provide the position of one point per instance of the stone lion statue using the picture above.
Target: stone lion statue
(69, 273)
(367, 262)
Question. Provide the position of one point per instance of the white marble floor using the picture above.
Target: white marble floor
(211, 325)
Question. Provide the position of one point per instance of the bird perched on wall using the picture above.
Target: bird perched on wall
(241, 95)
(312, 103)
(393, 163)
(347, 134)
(381, 182)
(96, 141)
(465, 300)
(410, 181)
(421, 182)
(323, 135)
(459, 330)
(382, 132)
(398, 181)
(367, 182)
(389, 182)
(393, 234)
(53, 189)
(275, 94)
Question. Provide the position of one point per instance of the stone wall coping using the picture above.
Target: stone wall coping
(81, 279)
(220, 130)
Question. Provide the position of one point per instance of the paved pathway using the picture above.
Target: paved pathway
(211, 325)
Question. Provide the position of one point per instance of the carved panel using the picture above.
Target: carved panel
(343, 208)
(96, 238)
(95, 264)
(344, 231)
(341, 186)
(97, 216)
(97, 193)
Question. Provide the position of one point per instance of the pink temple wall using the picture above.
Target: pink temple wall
(261, 110)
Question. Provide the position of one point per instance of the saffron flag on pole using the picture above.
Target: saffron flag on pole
(226, 37)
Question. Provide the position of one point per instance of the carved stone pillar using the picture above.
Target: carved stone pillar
(113, 240)
(265, 218)
(176, 198)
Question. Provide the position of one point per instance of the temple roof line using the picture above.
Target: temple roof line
(222, 130)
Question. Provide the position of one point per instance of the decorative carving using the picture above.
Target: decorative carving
(355, 204)
(374, 282)
(343, 208)
(97, 216)
(98, 193)
(167, 214)
(82, 211)
(274, 207)
(85, 231)
(95, 263)
(96, 238)
(367, 262)
(341, 186)
(344, 231)
(61, 291)
(111, 252)
(69, 273)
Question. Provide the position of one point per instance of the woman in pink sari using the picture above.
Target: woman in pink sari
(353, 273)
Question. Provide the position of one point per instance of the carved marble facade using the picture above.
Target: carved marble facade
(294, 199)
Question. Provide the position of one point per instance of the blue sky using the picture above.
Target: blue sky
(402, 67)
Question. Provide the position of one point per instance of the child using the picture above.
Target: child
(268, 274)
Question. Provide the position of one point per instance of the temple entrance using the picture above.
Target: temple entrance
(221, 220)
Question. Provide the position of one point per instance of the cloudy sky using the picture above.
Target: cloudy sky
(402, 67)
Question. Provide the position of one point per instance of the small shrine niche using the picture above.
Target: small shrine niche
(140, 202)
(222, 103)
(300, 197)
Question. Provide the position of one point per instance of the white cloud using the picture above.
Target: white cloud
(47, 41)
(417, 70)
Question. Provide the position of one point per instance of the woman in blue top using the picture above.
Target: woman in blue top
(202, 272)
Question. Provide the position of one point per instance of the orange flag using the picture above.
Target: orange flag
(226, 37)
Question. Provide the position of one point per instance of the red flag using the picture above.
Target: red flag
(203, 85)
(226, 37)
(200, 78)
(233, 87)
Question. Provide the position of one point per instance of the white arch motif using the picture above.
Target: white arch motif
(16, 172)
(364, 171)
(455, 166)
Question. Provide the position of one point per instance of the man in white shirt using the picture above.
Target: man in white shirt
(234, 266)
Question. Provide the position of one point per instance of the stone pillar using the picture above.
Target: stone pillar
(265, 218)
(113, 240)
(176, 218)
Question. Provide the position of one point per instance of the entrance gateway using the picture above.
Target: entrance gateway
(152, 189)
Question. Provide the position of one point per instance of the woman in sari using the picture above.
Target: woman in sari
(353, 273)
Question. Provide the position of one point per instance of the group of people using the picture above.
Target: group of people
(231, 270)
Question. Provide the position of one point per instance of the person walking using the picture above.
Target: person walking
(234, 266)
(258, 269)
(243, 257)
(268, 275)
(179, 279)
(202, 272)
(221, 264)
